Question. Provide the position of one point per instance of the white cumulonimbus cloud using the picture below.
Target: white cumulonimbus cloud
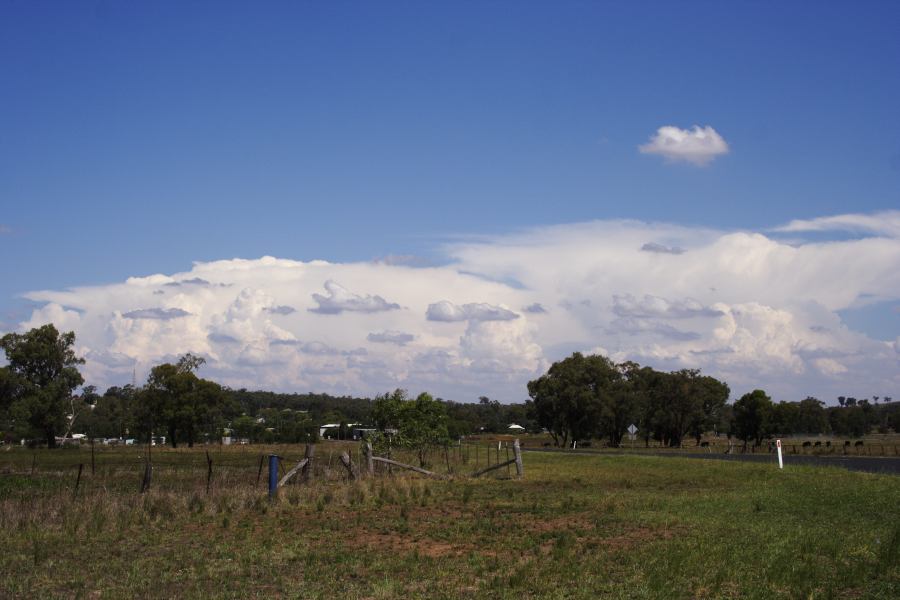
(698, 146)
(742, 306)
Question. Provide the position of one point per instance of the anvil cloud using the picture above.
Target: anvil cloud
(743, 306)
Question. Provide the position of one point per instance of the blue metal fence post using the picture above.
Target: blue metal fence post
(273, 475)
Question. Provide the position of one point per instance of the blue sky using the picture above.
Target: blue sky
(137, 139)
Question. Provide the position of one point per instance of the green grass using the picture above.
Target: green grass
(578, 526)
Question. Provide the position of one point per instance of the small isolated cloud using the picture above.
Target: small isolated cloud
(281, 310)
(448, 312)
(698, 146)
(885, 223)
(5, 229)
(160, 314)
(535, 309)
(339, 300)
(626, 305)
(391, 337)
(661, 249)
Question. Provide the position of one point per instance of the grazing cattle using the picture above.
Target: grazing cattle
(547, 444)
(817, 444)
(858, 443)
(807, 444)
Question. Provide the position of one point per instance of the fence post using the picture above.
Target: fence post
(517, 453)
(77, 481)
(92, 455)
(348, 464)
(262, 457)
(306, 472)
(370, 464)
(208, 471)
(273, 476)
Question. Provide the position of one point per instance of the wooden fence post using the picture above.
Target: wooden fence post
(370, 463)
(517, 453)
(298, 468)
(348, 464)
(208, 471)
(447, 459)
(92, 456)
(390, 462)
(306, 473)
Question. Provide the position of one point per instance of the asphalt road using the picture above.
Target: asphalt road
(868, 464)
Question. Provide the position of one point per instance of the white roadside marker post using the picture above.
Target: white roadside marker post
(778, 447)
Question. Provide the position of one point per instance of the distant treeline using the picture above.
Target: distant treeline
(579, 398)
(262, 416)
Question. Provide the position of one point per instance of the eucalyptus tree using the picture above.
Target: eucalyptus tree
(39, 380)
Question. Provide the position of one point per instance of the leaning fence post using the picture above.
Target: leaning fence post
(262, 457)
(517, 453)
(273, 475)
(77, 480)
(370, 464)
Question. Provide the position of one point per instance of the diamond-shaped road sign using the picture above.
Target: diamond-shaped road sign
(632, 429)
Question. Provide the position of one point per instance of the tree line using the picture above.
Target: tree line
(579, 398)
(591, 397)
(38, 402)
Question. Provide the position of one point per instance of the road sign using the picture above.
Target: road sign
(632, 429)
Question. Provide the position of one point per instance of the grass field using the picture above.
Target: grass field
(578, 526)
